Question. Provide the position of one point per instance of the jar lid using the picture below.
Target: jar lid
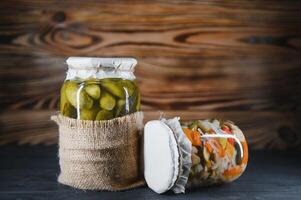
(167, 156)
(125, 64)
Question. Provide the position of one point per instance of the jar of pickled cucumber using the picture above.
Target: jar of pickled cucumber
(99, 88)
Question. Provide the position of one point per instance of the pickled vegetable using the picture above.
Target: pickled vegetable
(120, 107)
(138, 102)
(63, 100)
(99, 99)
(74, 92)
(129, 86)
(68, 110)
(93, 91)
(114, 88)
(104, 115)
(86, 114)
(219, 151)
(65, 106)
(107, 101)
(133, 102)
(192, 154)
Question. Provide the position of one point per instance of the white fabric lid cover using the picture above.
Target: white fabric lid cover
(167, 156)
(126, 64)
(99, 68)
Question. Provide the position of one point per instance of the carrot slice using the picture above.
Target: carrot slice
(246, 153)
(232, 172)
(193, 136)
(208, 147)
(221, 150)
(196, 139)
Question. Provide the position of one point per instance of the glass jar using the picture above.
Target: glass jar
(192, 154)
(219, 152)
(99, 88)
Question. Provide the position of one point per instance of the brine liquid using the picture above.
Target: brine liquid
(99, 99)
(219, 152)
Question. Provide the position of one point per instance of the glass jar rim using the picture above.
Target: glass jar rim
(114, 63)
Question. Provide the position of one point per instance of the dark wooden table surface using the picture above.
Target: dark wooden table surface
(30, 172)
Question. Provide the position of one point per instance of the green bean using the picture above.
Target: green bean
(72, 90)
(104, 115)
(107, 101)
(93, 91)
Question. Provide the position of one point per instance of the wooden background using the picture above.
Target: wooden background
(237, 59)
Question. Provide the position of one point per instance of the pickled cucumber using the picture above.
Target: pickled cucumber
(68, 110)
(104, 115)
(114, 88)
(86, 114)
(93, 91)
(133, 101)
(99, 99)
(72, 90)
(138, 102)
(63, 98)
(120, 108)
(107, 101)
(129, 86)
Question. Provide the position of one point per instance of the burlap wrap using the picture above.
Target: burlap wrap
(100, 155)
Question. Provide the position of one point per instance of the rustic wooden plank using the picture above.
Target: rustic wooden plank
(206, 30)
(168, 13)
(267, 130)
(194, 57)
(196, 84)
(222, 42)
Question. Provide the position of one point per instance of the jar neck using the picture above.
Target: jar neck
(99, 73)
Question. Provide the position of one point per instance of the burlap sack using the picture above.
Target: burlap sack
(100, 155)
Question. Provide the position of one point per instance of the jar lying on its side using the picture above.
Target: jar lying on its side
(99, 88)
(219, 151)
(191, 154)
